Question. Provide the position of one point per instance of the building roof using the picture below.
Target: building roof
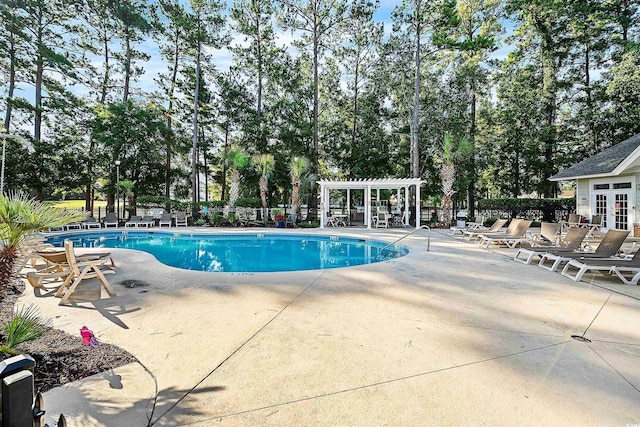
(372, 182)
(610, 162)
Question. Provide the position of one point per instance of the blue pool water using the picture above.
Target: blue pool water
(241, 253)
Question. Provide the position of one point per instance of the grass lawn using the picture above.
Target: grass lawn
(76, 204)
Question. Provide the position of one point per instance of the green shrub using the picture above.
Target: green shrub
(200, 221)
(233, 220)
(511, 204)
(25, 325)
(217, 219)
(249, 202)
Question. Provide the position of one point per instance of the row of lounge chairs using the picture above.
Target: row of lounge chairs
(110, 220)
(567, 254)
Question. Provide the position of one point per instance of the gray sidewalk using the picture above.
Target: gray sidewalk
(458, 335)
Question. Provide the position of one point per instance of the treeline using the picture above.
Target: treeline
(357, 98)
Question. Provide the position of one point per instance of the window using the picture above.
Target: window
(621, 185)
(601, 186)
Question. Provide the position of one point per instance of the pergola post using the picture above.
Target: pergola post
(348, 205)
(323, 214)
(406, 205)
(417, 206)
(367, 207)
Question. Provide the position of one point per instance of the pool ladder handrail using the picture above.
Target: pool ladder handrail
(426, 227)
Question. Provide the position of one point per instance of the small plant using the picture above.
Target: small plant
(279, 217)
(25, 325)
(233, 219)
(201, 221)
(217, 220)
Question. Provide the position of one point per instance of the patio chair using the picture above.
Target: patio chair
(133, 221)
(517, 236)
(608, 247)
(473, 234)
(181, 219)
(165, 219)
(570, 243)
(146, 221)
(79, 271)
(90, 222)
(110, 220)
(383, 220)
(292, 220)
(607, 265)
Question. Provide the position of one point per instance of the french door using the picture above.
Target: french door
(615, 201)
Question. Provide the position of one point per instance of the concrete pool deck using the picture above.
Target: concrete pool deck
(459, 335)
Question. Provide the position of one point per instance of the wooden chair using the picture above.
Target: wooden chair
(79, 271)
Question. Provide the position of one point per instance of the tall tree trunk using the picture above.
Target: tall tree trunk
(549, 93)
(354, 126)
(107, 69)
(259, 57)
(225, 167)
(170, 135)
(588, 92)
(12, 81)
(37, 124)
(415, 145)
(194, 156)
(471, 188)
(127, 62)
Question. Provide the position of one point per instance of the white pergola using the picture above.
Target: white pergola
(368, 185)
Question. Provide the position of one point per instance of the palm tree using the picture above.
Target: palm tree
(127, 188)
(264, 164)
(450, 155)
(297, 167)
(19, 216)
(237, 159)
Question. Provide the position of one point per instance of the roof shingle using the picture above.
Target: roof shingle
(602, 163)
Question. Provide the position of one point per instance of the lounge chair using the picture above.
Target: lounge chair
(73, 226)
(181, 219)
(595, 225)
(608, 247)
(476, 225)
(608, 265)
(146, 221)
(79, 271)
(570, 243)
(165, 219)
(512, 239)
(513, 225)
(90, 222)
(56, 267)
(133, 221)
(110, 220)
(473, 234)
(549, 235)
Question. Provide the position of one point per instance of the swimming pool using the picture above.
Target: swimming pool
(241, 252)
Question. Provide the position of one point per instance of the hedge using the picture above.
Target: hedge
(511, 204)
